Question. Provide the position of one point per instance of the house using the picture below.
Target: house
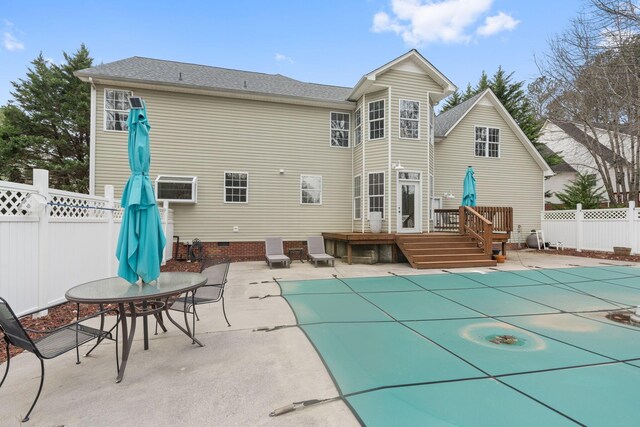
(587, 155)
(563, 174)
(244, 155)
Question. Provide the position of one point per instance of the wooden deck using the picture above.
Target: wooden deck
(358, 238)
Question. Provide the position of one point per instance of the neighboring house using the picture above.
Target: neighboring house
(245, 155)
(576, 146)
(563, 174)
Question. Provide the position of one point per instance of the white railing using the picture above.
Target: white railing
(594, 229)
(71, 241)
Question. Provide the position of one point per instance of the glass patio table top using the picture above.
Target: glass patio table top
(118, 290)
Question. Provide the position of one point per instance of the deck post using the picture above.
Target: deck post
(461, 220)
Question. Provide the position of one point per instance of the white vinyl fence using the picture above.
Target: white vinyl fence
(71, 240)
(594, 229)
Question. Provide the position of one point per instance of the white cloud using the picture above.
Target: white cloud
(283, 58)
(421, 22)
(497, 23)
(11, 43)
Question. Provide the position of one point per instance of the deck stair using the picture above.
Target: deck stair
(442, 250)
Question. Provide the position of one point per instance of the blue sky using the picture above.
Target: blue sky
(324, 41)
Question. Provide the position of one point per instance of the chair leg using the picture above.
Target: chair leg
(224, 312)
(6, 371)
(26, 418)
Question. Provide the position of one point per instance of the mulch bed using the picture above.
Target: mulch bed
(591, 254)
(65, 313)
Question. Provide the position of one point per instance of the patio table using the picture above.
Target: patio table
(138, 300)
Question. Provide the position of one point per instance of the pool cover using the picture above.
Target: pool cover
(529, 347)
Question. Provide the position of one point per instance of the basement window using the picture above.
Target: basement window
(177, 188)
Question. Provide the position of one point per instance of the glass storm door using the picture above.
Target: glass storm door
(409, 202)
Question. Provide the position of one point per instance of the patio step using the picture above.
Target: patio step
(442, 250)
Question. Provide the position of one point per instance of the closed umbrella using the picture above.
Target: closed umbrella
(141, 240)
(469, 188)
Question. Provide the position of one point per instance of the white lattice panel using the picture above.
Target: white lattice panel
(118, 212)
(11, 200)
(68, 206)
(604, 214)
(559, 215)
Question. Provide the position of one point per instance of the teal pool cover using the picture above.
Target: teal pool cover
(530, 347)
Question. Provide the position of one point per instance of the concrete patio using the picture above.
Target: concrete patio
(236, 379)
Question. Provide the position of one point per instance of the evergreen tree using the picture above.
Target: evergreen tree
(452, 100)
(47, 124)
(483, 84)
(581, 190)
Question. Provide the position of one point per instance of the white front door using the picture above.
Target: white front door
(409, 202)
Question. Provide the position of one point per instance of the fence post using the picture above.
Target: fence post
(41, 182)
(632, 232)
(108, 194)
(579, 219)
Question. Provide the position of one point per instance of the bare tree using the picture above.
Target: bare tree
(592, 79)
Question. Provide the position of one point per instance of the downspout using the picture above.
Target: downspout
(389, 164)
(92, 140)
(362, 180)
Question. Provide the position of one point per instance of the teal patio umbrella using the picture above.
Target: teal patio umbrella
(469, 188)
(141, 240)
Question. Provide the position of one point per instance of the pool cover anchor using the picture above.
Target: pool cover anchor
(299, 405)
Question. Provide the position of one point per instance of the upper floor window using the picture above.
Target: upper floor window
(487, 141)
(376, 119)
(376, 192)
(357, 197)
(409, 119)
(116, 109)
(310, 189)
(236, 187)
(339, 129)
(358, 129)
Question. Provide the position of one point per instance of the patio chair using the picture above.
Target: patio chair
(52, 344)
(210, 293)
(275, 252)
(315, 248)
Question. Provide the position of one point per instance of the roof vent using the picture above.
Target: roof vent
(245, 84)
(180, 76)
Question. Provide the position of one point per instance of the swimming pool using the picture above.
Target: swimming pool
(529, 347)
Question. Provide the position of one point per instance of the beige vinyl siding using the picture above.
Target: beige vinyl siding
(205, 136)
(413, 154)
(514, 179)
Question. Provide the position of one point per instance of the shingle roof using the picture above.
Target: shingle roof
(192, 75)
(560, 167)
(588, 141)
(445, 121)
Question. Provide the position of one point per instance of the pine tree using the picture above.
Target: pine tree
(582, 190)
(47, 124)
(454, 99)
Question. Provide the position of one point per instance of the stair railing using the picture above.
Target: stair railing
(477, 226)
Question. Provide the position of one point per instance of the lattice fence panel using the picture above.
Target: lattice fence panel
(65, 206)
(11, 200)
(118, 212)
(559, 215)
(605, 214)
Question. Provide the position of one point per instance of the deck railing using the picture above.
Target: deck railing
(477, 226)
(449, 219)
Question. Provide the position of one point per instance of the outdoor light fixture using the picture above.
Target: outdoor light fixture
(397, 166)
(449, 195)
(281, 171)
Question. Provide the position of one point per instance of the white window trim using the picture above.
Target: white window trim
(357, 141)
(487, 156)
(104, 110)
(384, 193)
(384, 117)
(348, 133)
(224, 185)
(360, 197)
(300, 186)
(413, 120)
(167, 178)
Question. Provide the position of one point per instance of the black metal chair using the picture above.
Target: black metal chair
(53, 343)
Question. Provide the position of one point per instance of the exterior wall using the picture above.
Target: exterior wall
(555, 184)
(514, 179)
(204, 136)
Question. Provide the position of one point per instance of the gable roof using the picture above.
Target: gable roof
(368, 79)
(448, 120)
(589, 142)
(560, 167)
(180, 74)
